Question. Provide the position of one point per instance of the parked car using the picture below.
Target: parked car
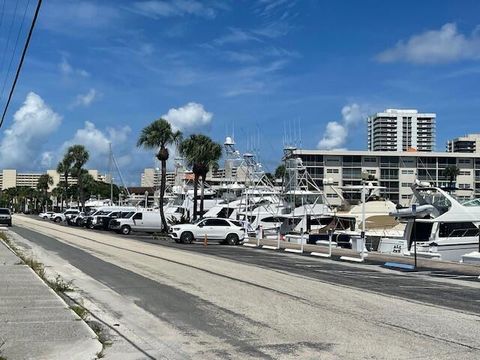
(75, 219)
(46, 215)
(5, 217)
(100, 219)
(59, 217)
(141, 220)
(217, 229)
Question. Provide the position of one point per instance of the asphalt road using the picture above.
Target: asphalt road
(250, 303)
(423, 286)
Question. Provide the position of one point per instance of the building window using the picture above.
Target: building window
(408, 172)
(464, 186)
(332, 171)
(406, 184)
(464, 173)
(408, 196)
(464, 161)
(332, 196)
(389, 174)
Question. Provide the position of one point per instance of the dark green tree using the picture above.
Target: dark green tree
(201, 153)
(44, 182)
(79, 157)
(157, 136)
(451, 172)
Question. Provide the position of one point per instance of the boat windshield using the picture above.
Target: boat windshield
(431, 196)
(471, 202)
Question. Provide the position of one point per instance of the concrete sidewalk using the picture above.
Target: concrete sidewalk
(35, 323)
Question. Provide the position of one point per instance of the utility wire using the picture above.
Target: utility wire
(14, 50)
(7, 43)
(19, 68)
(3, 10)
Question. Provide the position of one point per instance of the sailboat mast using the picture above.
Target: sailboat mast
(110, 169)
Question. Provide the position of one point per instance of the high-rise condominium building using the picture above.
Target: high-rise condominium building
(465, 144)
(401, 130)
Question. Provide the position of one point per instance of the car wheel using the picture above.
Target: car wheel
(10, 224)
(58, 219)
(44, 218)
(186, 237)
(232, 239)
(77, 222)
(125, 229)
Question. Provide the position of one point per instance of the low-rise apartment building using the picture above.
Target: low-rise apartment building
(12, 178)
(396, 171)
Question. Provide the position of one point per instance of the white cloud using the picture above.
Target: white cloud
(352, 114)
(435, 46)
(335, 135)
(46, 159)
(66, 69)
(76, 17)
(336, 132)
(86, 99)
(97, 142)
(234, 36)
(157, 8)
(188, 117)
(32, 125)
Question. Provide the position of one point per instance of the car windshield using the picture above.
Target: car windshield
(4, 211)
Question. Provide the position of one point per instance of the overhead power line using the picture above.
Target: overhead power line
(7, 74)
(7, 43)
(20, 64)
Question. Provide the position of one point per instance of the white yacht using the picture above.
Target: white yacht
(442, 227)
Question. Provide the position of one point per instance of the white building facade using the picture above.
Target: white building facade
(466, 144)
(401, 130)
(396, 171)
(10, 178)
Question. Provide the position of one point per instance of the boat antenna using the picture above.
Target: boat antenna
(110, 168)
(300, 132)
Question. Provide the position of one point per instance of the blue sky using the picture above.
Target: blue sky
(99, 71)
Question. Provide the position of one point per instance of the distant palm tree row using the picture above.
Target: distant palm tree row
(71, 166)
(200, 152)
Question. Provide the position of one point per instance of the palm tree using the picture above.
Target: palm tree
(451, 172)
(201, 153)
(79, 157)
(44, 182)
(280, 172)
(158, 135)
(64, 167)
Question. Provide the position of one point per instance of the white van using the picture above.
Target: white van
(141, 220)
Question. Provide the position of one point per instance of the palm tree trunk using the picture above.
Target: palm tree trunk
(80, 192)
(202, 191)
(163, 181)
(66, 190)
(195, 196)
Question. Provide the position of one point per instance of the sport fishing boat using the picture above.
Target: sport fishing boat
(441, 226)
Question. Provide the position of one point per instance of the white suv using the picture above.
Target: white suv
(59, 217)
(223, 230)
